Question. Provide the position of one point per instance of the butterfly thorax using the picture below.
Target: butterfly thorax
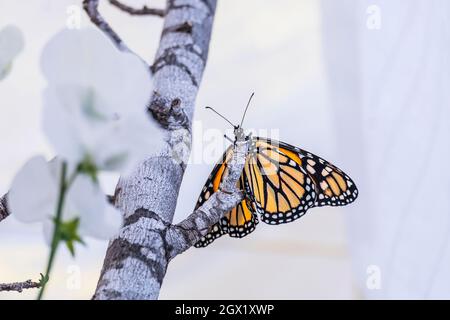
(239, 134)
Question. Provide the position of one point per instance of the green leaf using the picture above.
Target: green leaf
(89, 168)
(43, 280)
(68, 233)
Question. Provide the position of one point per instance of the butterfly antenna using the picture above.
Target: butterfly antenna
(245, 112)
(221, 116)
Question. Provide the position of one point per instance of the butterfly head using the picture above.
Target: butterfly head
(238, 130)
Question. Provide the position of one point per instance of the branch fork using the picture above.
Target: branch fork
(185, 234)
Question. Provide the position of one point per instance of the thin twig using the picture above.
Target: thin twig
(19, 286)
(4, 211)
(91, 8)
(138, 12)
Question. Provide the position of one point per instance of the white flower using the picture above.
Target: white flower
(11, 43)
(95, 102)
(34, 194)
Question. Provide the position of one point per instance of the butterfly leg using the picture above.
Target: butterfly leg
(228, 138)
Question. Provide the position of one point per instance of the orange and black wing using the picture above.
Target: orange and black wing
(277, 183)
(242, 219)
(238, 222)
(333, 187)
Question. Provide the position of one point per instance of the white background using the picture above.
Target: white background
(374, 102)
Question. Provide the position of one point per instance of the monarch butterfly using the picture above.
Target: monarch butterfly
(280, 183)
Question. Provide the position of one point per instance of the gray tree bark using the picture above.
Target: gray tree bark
(4, 211)
(19, 286)
(137, 259)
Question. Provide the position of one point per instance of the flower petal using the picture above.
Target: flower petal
(61, 124)
(33, 193)
(11, 43)
(48, 228)
(97, 217)
(111, 224)
(88, 58)
(142, 137)
(95, 103)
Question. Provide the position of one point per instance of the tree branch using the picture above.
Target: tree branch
(19, 286)
(157, 241)
(91, 8)
(185, 234)
(138, 12)
(4, 211)
(137, 259)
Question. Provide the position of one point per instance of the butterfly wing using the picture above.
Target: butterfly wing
(242, 219)
(239, 221)
(278, 185)
(215, 231)
(332, 185)
(281, 183)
